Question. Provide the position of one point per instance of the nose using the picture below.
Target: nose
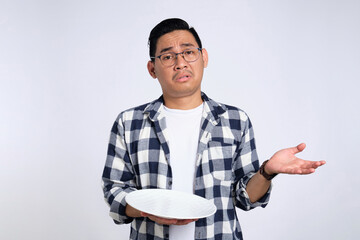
(180, 62)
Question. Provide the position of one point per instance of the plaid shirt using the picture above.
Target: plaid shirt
(138, 158)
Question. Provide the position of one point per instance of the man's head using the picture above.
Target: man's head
(167, 26)
(178, 62)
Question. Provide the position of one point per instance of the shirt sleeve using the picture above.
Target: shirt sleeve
(245, 166)
(118, 177)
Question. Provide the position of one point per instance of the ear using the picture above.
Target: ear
(205, 57)
(151, 69)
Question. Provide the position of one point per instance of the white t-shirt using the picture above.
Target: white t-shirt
(183, 132)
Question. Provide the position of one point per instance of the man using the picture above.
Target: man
(184, 135)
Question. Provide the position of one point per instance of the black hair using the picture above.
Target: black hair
(167, 26)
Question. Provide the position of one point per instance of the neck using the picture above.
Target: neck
(183, 103)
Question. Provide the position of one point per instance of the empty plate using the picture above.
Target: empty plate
(170, 204)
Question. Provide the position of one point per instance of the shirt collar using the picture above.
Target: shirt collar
(212, 108)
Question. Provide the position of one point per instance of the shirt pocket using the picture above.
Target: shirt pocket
(221, 159)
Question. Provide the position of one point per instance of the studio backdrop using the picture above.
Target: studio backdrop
(68, 68)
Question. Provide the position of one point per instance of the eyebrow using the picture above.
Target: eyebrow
(182, 45)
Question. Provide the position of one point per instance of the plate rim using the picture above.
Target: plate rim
(177, 192)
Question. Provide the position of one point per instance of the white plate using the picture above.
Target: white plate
(170, 204)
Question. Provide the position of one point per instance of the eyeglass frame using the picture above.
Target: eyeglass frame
(176, 55)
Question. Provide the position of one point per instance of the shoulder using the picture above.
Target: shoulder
(229, 111)
(143, 111)
(238, 119)
(134, 113)
(234, 117)
(125, 119)
(236, 113)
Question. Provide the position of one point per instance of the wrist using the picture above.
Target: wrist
(268, 175)
(266, 168)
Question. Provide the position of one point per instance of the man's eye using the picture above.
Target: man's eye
(166, 57)
(189, 52)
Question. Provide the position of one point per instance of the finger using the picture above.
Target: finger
(317, 164)
(304, 171)
(312, 164)
(300, 147)
(169, 221)
(143, 214)
(185, 221)
(164, 221)
(292, 170)
(160, 220)
(303, 162)
(308, 171)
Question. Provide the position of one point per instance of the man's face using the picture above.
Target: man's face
(183, 79)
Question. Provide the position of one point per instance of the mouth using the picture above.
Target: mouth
(182, 77)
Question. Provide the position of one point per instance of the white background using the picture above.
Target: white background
(67, 68)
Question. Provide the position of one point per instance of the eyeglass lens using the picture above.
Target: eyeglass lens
(190, 55)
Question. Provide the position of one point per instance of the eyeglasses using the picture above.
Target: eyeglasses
(169, 59)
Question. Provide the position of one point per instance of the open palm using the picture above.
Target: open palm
(285, 161)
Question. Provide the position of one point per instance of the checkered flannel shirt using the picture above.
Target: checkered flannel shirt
(138, 158)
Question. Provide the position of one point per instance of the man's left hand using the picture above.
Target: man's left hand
(285, 161)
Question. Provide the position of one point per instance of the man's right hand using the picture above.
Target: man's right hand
(167, 221)
(133, 212)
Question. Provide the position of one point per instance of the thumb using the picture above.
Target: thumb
(299, 148)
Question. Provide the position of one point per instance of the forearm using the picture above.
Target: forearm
(257, 187)
(132, 212)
